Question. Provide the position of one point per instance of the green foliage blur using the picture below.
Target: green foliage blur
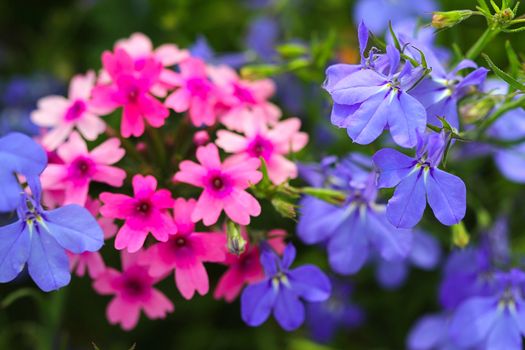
(65, 37)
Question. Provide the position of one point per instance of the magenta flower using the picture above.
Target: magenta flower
(186, 251)
(224, 186)
(195, 92)
(130, 89)
(80, 167)
(146, 212)
(63, 115)
(133, 291)
(243, 101)
(246, 268)
(271, 144)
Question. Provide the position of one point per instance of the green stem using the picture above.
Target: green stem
(513, 104)
(480, 44)
(158, 145)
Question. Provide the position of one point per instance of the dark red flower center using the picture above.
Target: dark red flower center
(143, 207)
(243, 94)
(75, 111)
(134, 287)
(260, 147)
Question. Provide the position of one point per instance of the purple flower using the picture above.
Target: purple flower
(418, 180)
(262, 37)
(282, 290)
(431, 333)
(497, 321)
(425, 254)
(40, 239)
(202, 49)
(356, 228)
(325, 318)
(19, 154)
(368, 100)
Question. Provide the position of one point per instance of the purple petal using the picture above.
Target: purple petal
(406, 117)
(9, 191)
(505, 334)
(318, 220)
(511, 163)
(369, 121)
(446, 195)
(15, 245)
(357, 87)
(393, 243)
(310, 283)
(393, 58)
(405, 209)
(464, 64)
(362, 34)
(341, 114)
(393, 166)
(426, 250)
(336, 72)
(288, 256)
(288, 310)
(391, 274)
(447, 108)
(269, 260)
(257, 301)
(476, 77)
(428, 333)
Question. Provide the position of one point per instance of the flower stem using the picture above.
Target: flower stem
(479, 45)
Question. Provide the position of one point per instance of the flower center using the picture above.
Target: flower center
(143, 207)
(75, 111)
(260, 147)
(243, 94)
(82, 168)
(217, 183)
(180, 242)
(198, 87)
(134, 287)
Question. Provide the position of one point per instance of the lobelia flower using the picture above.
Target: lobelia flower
(201, 49)
(130, 88)
(283, 290)
(195, 92)
(357, 227)
(185, 252)
(224, 186)
(431, 333)
(246, 268)
(80, 167)
(366, 101)
(63, 115)
(133, 292)
(92, 262)
(243, 102)
(270, 144)
(418, 180)
(19, 154)
(325, 318)
(40, 238)
(497, 320)
(145, 212)
(424, 254)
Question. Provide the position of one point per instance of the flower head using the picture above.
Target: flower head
(145, 212)
(224, 186)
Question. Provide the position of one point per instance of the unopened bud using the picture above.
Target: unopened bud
(471, 112)
(283, 207)
(201, 138)
(236, 242)
(450, 18)
(460, 236)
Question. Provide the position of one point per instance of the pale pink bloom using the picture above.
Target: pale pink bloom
(186, 252)
(201, 138)
(272, 144)
(246, 268)
(194, 92)
(80, 167)
(130, 88)
(242, 101)
(133, 292)
(63, 115)
(145, 212)
(140, 48)
(224, 186)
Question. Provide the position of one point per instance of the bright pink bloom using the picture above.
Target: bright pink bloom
(195, 92)
(130, 88)
(186, 252)
(62, 114)
(146, 212)
(224, 186)
(271, 144)
(80, 167)
(133, 291)
(201, 138)
(140, 48)
(242, 101)
(246, 268)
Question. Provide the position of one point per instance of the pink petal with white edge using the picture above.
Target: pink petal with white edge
(73, 148)
(231, 142)
(281, 169)
(170, 54)
(108, 152)
(90, 126)
(56, 137)
(110, 175)
(137, 46)
(50, 110)
(179, 101)
(81, 85)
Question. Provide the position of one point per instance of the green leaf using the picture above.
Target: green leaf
(514, 61)
(292, 50)
(394, 37)
(503, 75)
(19, 294)
(325, 194)
(483, 6)
(95, 347)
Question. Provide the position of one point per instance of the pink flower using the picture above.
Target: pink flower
(80, 167)
(246, 268)
(224, 186)
(271, 144)
(146, 212)
(195, 92)
(140, 48)
(242, 101)
(186, 252)
(130, 89)
(63, 115)
(133, 291)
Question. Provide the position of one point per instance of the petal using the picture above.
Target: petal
(406, 118)
(257, 301)
(108, 152)
(318, 220)
(369, 121)
(125, 313)
(310, 283)
(505, 334)
(391, 274)
(446, 195)
(110, 175)
(158, 305)
(192, 278)
(393, 243)
(91, 126)
(406, 207)
(288, 309)
(179, 101)
(208, 156)
(208, 209)
(426, 251)
(428, 333)
(393, 166)
(15, 245)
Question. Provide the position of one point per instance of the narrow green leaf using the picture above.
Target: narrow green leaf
(95, 347)
(483, 5)
(394, 37)
(503, 75)
(514, 61)
(19, 294)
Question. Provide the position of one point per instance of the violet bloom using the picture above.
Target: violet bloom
(369, 100)
(418, 180)
(282, 290)
(19, 154)
(497, 321)
(441, 92)
(431, 333)
(356, 228)
(40, 238)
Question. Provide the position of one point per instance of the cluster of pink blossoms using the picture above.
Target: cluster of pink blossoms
(229, 129)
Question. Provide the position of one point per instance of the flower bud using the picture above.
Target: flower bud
(283, 207)
(460, 236)
(450, 18)
(476, 110)
(236, 242)
(201, 138)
